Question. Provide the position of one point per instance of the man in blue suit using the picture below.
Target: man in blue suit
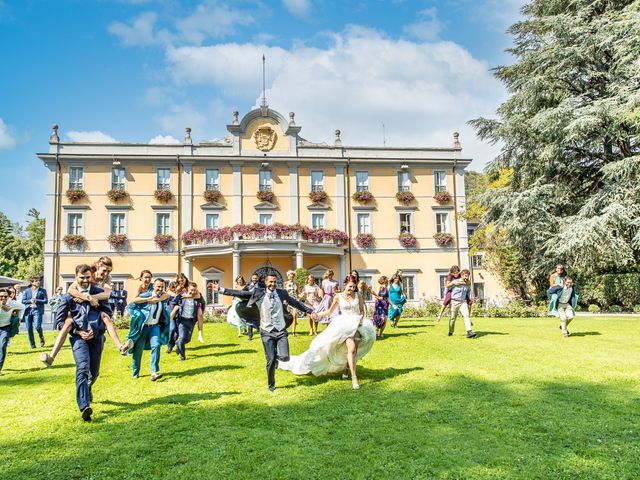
(87, 336)
(34, 299)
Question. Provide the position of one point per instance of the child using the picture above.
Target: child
(100, 278)
(460, 299)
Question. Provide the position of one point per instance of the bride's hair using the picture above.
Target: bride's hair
(350, 279)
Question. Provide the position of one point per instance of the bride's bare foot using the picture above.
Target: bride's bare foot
(355, 384)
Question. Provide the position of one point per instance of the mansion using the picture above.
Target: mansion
(262, 199)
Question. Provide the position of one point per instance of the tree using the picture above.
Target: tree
(569, 133)
(21, 251)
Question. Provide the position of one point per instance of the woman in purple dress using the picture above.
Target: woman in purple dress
(381, 308)
(329, 288)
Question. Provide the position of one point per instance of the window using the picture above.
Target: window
(442, 282)
(362, 181)
(264, 181)
(213, 179)
(471, 230)
(117, 223)
(118, 178)
(163, 223)
(478, 290)
(118, 285)
(74, 223)
(477, 261)
(212, 297)
(409, 286)
(440, 180)
(406, 223)
(317, 220)
(317, 181)
(442, 223)
(76, 177)
(368, 279)
(364, 222)
(404, 182)
(212, 220)
(265, 218)
(164, 179)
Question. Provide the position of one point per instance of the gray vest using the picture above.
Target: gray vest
(271, 313)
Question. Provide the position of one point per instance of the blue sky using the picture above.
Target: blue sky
(139, 70)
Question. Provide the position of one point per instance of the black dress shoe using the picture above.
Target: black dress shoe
(86, 414)
(272, 388)
(471, 334)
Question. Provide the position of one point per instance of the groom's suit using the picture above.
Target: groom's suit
(273, 322)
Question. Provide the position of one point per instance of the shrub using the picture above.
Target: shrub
(117, 240)
(405, 198)
(163, 195)
(636, 309)
(265, 195)
(121, 321)
(74, 241)
(593, 308)
(115, 194)
(442, 197)
(212, 195)
(612, 289)
(163, 241)
(362, 197)
(443, 239)
(615, 309)
(407, 240)
(513, 309)
(217, 316)
(75, 194)
(301, 277)
(320, 196)
(365, 240)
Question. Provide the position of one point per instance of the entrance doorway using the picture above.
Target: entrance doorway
(264, 271)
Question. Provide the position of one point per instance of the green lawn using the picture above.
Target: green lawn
(519, 401)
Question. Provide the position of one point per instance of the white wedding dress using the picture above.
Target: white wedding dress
(328, 351)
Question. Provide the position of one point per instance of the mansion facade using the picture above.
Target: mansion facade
(262, 199)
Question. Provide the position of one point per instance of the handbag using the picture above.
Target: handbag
(15, 326)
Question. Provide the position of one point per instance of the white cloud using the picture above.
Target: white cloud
(163, 139)
(297, 7)
(90, 137)
(427, 27)
(7, 140)
(178, 117)
(141, 31)
(423, 92)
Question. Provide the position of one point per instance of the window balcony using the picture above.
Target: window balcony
(362, 188)
(404, 188)
(265, 187)
(117, 186)
(317, 188)
(213, 187)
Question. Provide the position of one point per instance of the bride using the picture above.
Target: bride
(347, 339)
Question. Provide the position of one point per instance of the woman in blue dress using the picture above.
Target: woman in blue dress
(381, 308)
(397, 300)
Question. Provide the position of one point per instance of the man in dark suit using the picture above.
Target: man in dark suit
(272, 303)
(87, 336)
(250, 314)
(121, 301)
(34, 299)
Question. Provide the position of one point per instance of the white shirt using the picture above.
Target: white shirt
(19, 300)
(5, 317)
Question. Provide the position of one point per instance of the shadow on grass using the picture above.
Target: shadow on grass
(584, 334)
(200, 370)
(455, 427)
(207, 346)
(222, 354)
(41, 367)
(364, 375)
(484, 334)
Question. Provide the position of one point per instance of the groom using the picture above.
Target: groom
(273, 327)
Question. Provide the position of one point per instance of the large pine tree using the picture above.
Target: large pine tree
(569, 133)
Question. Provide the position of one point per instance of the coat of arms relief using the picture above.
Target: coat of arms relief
(265, 138)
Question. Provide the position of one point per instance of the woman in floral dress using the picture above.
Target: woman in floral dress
(381, 308)
(312, 298)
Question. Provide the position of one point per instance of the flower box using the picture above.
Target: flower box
(163, 241)
(442, 197)
(75, 242)
(405, 198)
(163, 195)
(265, 195)
(443, 239)
(75, 194)
(407, 240)
(365, 240)
(212, 195)
(117, 240)
(115, 194)
(362, 197)
(318, 196)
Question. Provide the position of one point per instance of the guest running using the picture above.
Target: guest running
(454, 274)
(87, 337)
(381, 308)
(232, 316)
(312, 298)
(9, 323)
(329, 289)
(294, 291)
(34, 299)
(460, 299)
(187, 312)
(564, 303)
(397, 299)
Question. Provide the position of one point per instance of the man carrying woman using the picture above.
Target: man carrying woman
(186, 312)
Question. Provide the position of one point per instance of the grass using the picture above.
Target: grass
(517, 402)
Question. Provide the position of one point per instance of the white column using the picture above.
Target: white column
(50, 228)
(187, 268)
(340, 200)
(342, 266)
(294, 205)
(236, 265)
(237, 192)
(463, 240)
(299, 258)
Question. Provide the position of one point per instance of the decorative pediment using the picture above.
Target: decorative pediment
(318, 206)
(212, 206)
(266, 206)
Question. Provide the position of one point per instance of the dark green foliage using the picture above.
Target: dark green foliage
(612, 290)
(301, 277)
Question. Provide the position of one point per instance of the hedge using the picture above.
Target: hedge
(621, 289)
